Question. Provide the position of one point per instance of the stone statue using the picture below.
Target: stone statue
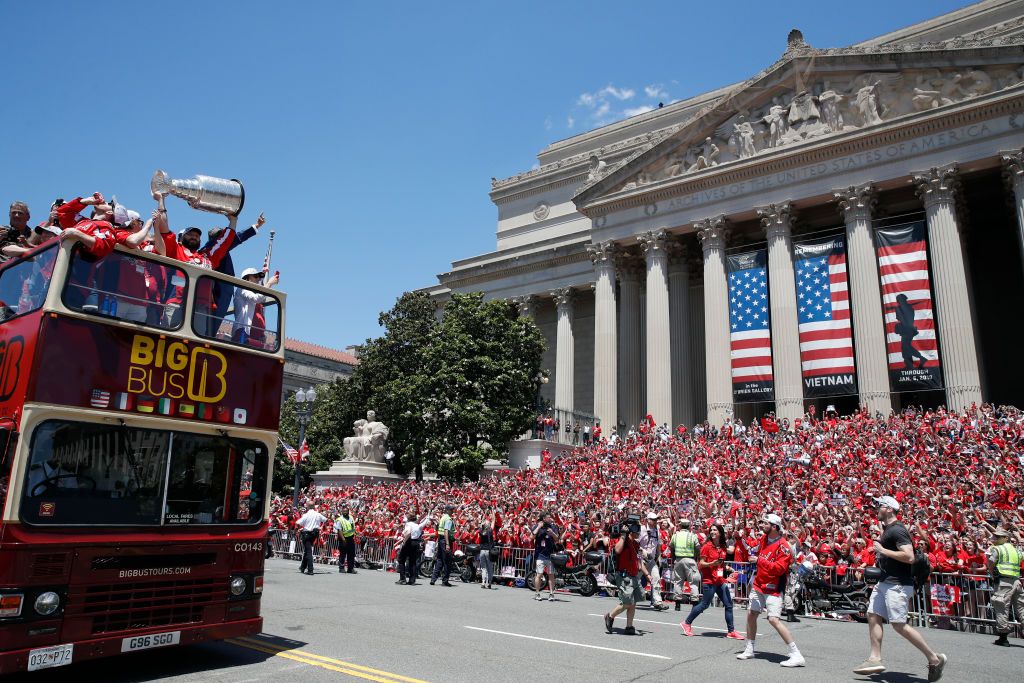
(829, 100)
(596, 168)
(776, 122)
(867, 105)
(707, 156)
(367, 445)
(743, 136)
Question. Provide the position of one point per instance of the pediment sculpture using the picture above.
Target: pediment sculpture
(826, 107)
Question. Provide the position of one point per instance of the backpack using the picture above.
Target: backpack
(921, 569)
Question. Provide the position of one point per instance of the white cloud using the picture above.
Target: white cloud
(547, 123)
(607, 105)
(570, 121)
(637, 110)
(655, 91)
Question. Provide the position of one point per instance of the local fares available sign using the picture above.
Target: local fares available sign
(112, 368)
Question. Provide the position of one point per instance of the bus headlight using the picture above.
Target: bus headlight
(47, 603)
(237, 585)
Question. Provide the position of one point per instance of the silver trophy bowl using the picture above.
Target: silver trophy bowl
(202, 192)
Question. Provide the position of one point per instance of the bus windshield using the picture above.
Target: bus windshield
(23, 285)
(101, 474)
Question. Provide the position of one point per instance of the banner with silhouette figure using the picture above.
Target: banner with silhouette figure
(911, 335)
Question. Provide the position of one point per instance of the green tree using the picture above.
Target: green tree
(479, 383)
(324, 434)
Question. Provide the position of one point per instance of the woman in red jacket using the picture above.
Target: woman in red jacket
(712, 577)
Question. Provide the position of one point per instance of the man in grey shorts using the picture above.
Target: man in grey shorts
(891, 597)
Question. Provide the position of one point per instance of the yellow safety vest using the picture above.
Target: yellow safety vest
(684, 544)
(348, 527)
(1007, 561)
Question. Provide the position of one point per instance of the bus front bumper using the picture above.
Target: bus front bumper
(49, 657)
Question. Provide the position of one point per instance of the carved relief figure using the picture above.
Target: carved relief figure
(707, 155)
(776, 122)
(743, 138)
(867, 105)
(829, 100)
(676, 165)
(596, 168)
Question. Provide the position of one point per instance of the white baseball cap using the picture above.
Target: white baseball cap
(889, 502)
(250, 271)
(772, 518)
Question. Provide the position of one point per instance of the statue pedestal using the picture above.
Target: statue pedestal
(346, 473)
(525, 454)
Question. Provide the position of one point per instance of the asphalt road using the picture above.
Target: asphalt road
(331, 627)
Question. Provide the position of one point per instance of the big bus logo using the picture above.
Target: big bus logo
(171, 369)
(11, 351)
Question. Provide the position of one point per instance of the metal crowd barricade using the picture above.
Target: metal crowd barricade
(959, 602)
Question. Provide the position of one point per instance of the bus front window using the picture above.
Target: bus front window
(100, 474)
(23, 285)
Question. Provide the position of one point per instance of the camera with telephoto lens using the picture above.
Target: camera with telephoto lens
(631, 525)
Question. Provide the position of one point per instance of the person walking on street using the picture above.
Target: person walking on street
(309, 529)
(486, 544)
(443, 553)
(545, 541)
(684, 546)
(772, 567)
(891, 597)
(713, 582)
(1004, 560)
(412, 542)
(650, 548)
(627, 578)
(345, 527)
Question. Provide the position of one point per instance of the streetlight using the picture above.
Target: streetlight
(540, 379)
(303, 407)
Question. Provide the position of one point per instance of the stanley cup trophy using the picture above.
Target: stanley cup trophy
(202, 192)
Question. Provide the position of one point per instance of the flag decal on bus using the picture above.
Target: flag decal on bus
(99, 398)
(125, 401)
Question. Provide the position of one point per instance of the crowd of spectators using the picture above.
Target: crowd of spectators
(957, 476)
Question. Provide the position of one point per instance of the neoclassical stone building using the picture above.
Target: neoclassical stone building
(892, 168)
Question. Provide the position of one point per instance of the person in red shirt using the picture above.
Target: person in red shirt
(773, 559)
(627, 579)
(185, 247)
(712, 574)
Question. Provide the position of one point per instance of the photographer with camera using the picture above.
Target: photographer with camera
(627, 572)
(650, 547)
(773, 559)
(545, 542)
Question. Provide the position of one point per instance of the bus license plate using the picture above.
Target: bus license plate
(150, 641)
(49, 657)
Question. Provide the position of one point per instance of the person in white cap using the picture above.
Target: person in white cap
(891, 597)
(650, 547)
(773, 559)
(250, 326)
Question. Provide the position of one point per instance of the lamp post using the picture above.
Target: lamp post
(303, 407)
(540, 379)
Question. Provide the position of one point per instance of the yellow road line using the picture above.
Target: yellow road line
(323, 662)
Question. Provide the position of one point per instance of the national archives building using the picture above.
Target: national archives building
(843, 228)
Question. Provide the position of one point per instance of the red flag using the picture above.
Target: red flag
(304, 450)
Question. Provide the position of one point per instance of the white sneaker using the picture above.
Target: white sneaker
(794, 660)
(536, 596)
(747, 653)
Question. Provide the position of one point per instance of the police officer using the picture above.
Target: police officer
(684, 557)
(345, 527)
(443, 553)
(309, 529)
(1004, 560)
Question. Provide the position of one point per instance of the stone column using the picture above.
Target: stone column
(789, 393)
(630, 400)
(718, 356)
(679, 315)
(659, 349)
(937, 188)
(527, 305)
(565, 351)
(872, 359)
(606, 350)
(1013, 171)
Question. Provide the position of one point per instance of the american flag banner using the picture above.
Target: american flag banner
(293, 455)
(910, 331)
(823, 312)
(749, 327)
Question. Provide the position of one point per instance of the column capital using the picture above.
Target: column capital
(526, 304)
(629, 268)
(938, 185)
(857, 202)
(777, 219)
(564, 298)
(654, 243)
(712, 232)
(1013, 173)
(603, 254)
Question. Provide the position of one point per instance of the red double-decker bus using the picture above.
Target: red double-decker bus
(137, 431)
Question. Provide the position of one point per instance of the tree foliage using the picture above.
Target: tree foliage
(453, 393)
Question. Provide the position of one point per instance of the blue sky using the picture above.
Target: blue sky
(367, 132)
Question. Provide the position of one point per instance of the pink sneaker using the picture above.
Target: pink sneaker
(687, 629)
(735, 635)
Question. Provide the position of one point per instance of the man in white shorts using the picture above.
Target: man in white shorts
(545, 537)
(773, 559)
(891, 597)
